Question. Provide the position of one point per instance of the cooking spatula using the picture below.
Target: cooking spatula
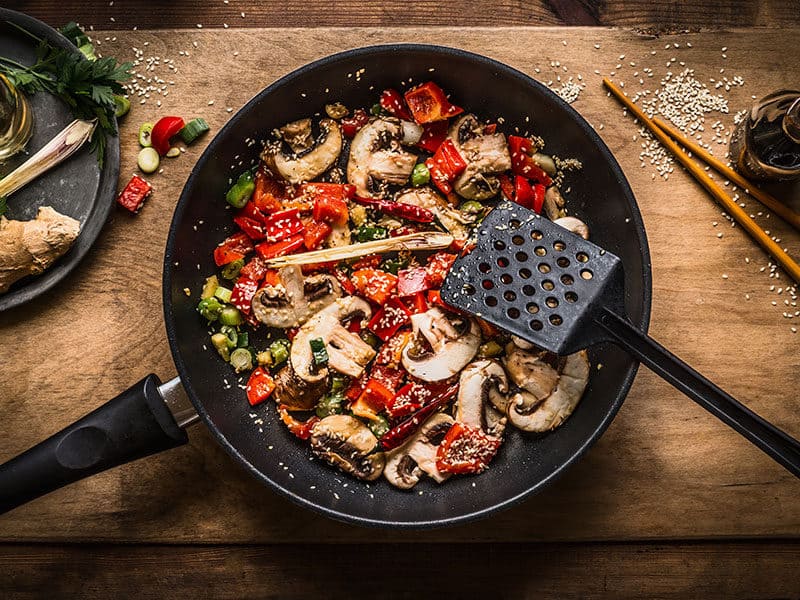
(554, 289)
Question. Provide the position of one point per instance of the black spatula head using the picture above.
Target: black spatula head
(536, 280)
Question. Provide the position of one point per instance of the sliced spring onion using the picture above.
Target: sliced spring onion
(241, 360)
(371, 233)
(148, 160)
(231, 336)
(244, 339)
(241, 191)
(420, 175)
(173, 152)
(145, 129)
(231, 316)
(121, 106)
(264, 359)
(223, 293)
(209, 308)
(220, 343)
(209, 287)
(318, 351)
(231, 270)
(279, 350)
(378, 426)
(193, 130)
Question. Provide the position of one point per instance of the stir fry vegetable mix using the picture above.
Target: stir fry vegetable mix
(361, 356)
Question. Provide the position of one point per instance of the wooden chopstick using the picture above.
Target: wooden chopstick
(775, 205)
(733, 209)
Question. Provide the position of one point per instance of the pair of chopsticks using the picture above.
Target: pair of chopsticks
(672, 139)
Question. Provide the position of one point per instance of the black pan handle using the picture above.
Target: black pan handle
(776, 443)
(135, 424)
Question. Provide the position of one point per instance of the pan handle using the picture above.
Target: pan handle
(135, 424)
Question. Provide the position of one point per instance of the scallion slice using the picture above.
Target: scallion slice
(193, 130)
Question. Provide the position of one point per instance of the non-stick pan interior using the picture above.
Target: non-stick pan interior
(254, 436)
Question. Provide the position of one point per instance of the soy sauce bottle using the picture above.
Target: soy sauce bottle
(766, 144)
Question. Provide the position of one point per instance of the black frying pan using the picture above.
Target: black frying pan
(149, 418)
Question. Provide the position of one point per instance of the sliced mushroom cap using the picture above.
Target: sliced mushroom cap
(295, 299)
(553, 203)
(306, 165)
(406, 464)
(453, 220)
(347, 443)
(347, 353)
(532, 373)
(443, 344)
(482, 392)
(554, 410)
(296, 393)
(574, 225)
(486, 154)
(376, 153)
(298, 135)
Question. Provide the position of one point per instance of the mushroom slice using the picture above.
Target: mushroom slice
(298, 135)
(295, 299)
(453, 220)
(443, 344)
(530, 371)
(553, 203)
(486, 155)
(417, 455)
(296, 393)
(574, 225)
(376, 153)
(483, 396)
(554, 410)
(347, 353)
(308, 164)
(347, 443)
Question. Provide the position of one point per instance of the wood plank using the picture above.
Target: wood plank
(665, 469)
(737, 570)
(639, 14)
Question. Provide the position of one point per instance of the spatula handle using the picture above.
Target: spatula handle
(776, 443)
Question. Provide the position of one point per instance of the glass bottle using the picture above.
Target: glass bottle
(15, 119)
(766, 144)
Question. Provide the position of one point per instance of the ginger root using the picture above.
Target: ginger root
(30, 247)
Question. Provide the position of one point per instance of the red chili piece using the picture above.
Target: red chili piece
(351, 125)
(522, 163)
(445, 166)
(428, 103)
(398, 434)
(391, 317)
(163, 131)
(392, 102)
(465, 449)
(233, 248)
(134, 194)
(398, 209)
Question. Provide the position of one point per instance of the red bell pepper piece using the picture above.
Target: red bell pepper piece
(398, 209)
(435, 299)
(391, 317)
(242, 295)
(419, 304)
(412, 397)
(300, 429)
(437, 267)
(259, 386)
(428, 103)
(269, 250)
(331, 210)
(391, 352)
(163, 131)
(374, 284)
(523, 192)
(392, 102)
(398, 434)
(344, 281)
(134, 194)
(370, 261)
(465, 449)
(233, 248)
(254, 229)
(445, 166)
(315, 234)
(268, 192)
(490, 128)
(506, 186)
(539, 191)
(389, 377)
(412, 281)
(375, 395)
(433, 134)
(282, 224)
(521, 162)
(356, 386)
(255, 269)
(351, 124)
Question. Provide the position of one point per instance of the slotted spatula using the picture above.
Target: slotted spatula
(554, 289)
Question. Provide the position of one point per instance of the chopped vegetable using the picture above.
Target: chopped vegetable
(437, 268)
(220, 343)
(134, 194)
(374, 284)
(163, 131)
(209, 308)
(121, 106)
(269, 250)
(375, 110)
(337, 110)
(242, 295)
(230, 316)
(232, 269)
(465, 449)
(402, 210)
(148, 160)
(523, 192)
(223, 294)
(330, 404)
(445, 166)
(412, 281)
(490, 349)
(193, 130)
(522, 162)
(241, 360)
(318, 351)
(392, 102)
(299, 429)
(173, 152)
(391, 317)
(401, 432)
(351, 125)
(236, 247)
(393, 265)
(433, 134)
(370, 233)
(428, 103)
(471, 207)
(145, 135)
(209, 287)
(279, 349)
(241, 191)
(259, 386)
(378, 426)
(231, 335)
(315, 234)
(420, 175)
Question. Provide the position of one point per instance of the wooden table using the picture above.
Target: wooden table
(669, 503)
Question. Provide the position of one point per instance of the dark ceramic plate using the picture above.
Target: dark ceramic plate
(77, 187)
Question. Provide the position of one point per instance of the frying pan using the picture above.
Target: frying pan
(151, 417)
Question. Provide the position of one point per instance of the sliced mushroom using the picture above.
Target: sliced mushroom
(296, 393)
(574, 225)
(339, 235)
(483, 396)
(347, 353)
(376, 153)
(553, 410)
(295, 299)
(553, 203)
(532, 373)
(520, 343)
(297, 167)
(443, 344)
(486, 155)
(347, 443)
(298, 135)
(406, 464)
(453, 220)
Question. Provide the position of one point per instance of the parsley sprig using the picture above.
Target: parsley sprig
(88, 86)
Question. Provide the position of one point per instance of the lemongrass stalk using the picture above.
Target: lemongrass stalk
(61, 147)
(423, 240)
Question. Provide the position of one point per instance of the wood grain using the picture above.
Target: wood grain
(753, 570)
(665, 469)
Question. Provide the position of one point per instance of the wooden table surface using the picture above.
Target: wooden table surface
(669, 503)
